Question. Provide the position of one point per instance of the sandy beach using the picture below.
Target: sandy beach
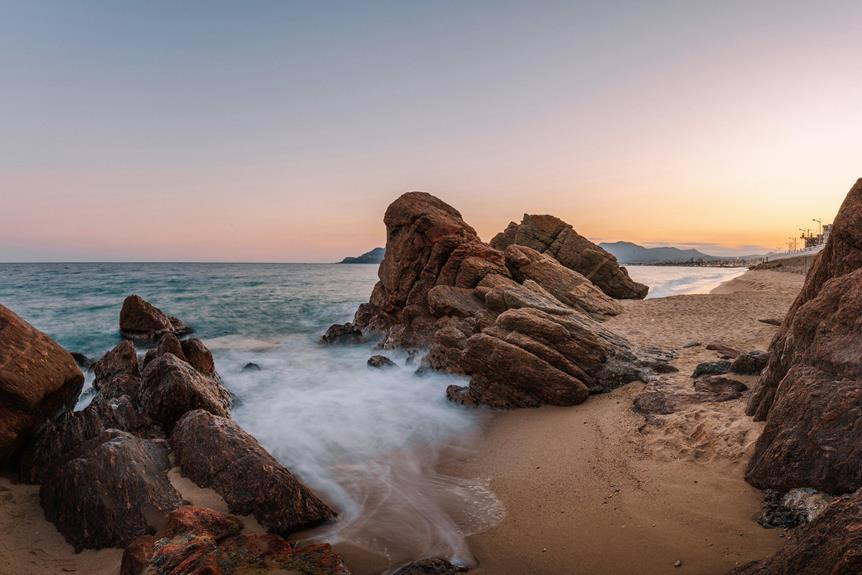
(593, 489)
(587, 489)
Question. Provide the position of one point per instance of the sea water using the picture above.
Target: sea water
(368, 441)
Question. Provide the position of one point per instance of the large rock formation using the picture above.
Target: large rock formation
(111, 490)
(215, 452)
(197, 541)
(811, 391)
(553, 236)
(38, 380)
(829, 545)
(142, 321)
(525, 328)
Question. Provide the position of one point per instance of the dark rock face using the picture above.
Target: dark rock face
(215, 452)
(381, 362)
(552, 236)
(38, 380)
(342, 334)
(82, 360)
(432, 566)
(111, 490)
(829, 545)
(198, 541)
(751, 363)
(711, 368)
(171, 387)
(117, 372)
(525, 329)
(61, 439)
(140, 320)
(251, 366)
(811, 391)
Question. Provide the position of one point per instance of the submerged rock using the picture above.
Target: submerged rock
(552, 236)
(811, 391)
(345, 333)
(381, 362)
(251, 366)
(142, 321)
(112, 490)
(215, 452)
(38, 380)
(198, 541)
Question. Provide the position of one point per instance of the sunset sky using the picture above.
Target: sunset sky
(280, 131)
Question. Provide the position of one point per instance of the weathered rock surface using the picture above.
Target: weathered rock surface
(171, 387)
(342, 334)
(198, 541)
(215, 452)
(431, 566)
(552, 236)
(82, 360)
(791, 509)
(381, 362)
(811, 391)
(111, 490)
(140, 320)
(199, 356)
(724, 351)
(523, 327)
(117, 372)
(751, 363)
(663, 399)
(829, 545)
(711, 368)
(38, 380)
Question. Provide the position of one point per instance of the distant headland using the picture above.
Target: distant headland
(375, 256)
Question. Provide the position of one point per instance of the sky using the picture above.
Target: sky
(280, 131)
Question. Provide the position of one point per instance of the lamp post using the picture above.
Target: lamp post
(819, 223)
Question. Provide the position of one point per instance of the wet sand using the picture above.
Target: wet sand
(594, 489)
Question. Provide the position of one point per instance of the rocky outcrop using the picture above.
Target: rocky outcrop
(199, 541)
(553, 236)
(829, 545)
(117, 372)
(171, 387)
(111, 490)
(142, 321)
(215, 452)
(525, 329)
(811, 391)
(38, 380)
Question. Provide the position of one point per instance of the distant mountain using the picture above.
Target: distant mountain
(629, 253)
(375, 256)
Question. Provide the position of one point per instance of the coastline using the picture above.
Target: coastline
(595, 489)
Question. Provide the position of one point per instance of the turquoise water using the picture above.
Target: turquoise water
(367, 440)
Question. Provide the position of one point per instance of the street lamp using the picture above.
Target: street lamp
(820, 224)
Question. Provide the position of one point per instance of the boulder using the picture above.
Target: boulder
(112, 489)
(197, 541)
(662, 399)
(345, 333)
(61, 438)
(751, 363)
(117, 372)
(142, 321)
(810, 393)
(552, 236)
(169, 343)
(171, 387)
(381, 362)
(711, 368)
(829, 545)
(38, 380)
(215, 452)
(199, 356)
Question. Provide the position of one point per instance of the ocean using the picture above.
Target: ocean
(367, 440)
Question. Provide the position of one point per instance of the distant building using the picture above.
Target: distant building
(812, 240)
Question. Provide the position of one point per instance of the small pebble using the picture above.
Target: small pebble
(677, 563)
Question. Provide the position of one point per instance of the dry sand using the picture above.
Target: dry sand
(594, 489)
(588, 489)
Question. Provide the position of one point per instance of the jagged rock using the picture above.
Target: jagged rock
(172, 387)
(711, 368)
(431, 566)
(38, 380)
(566, 285)
(342, 334)
(381, 362)
(251, 366)
(82, 360)
(199, 356)
(519, 324)
(169, 343)
(112, 489)
(117, 372)
(199, 541)
(142, 321)
(60, 439)
(751, 363)
(829, 545)
(724, 351)
(811, 391)
(550, 235)
(215, 452)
